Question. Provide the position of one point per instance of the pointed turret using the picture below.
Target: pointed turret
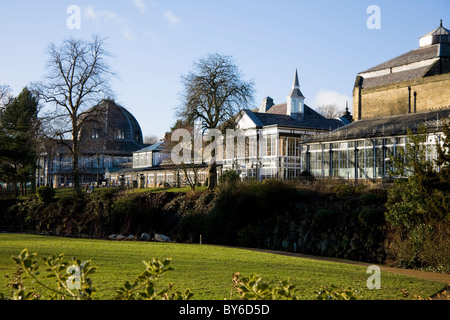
(295, 100)
(296, 88)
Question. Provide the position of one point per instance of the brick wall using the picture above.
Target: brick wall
(431, 93)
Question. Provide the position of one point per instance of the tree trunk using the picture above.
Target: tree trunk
(75, 154)
(33, 179)
(212, 176)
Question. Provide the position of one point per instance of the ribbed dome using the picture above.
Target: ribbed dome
(111, 129)
(112, 121)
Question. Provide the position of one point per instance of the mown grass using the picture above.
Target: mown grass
(167, 189)
(205, 269)
(62, 192)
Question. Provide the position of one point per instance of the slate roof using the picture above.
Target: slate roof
(412, 56)
(154, 147)
(395, 77)
(277, 116)
(385, 126)
(112, 116)
(436, 51)
(121, 147)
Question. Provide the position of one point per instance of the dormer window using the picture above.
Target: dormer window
(94, 133)
(137, 136)
(120, 134)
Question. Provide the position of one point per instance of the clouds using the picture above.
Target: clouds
(141, 5)
(329, 97)
(172, 18)
(106, 17)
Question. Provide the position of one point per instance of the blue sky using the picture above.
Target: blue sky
(155, 42)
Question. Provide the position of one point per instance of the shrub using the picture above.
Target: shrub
(190, 227)
(344, 190)
(77, 284)
(250, 236)
(229, 176)
(254, 288)
(72, 282)
(334, 293)
(46, 194)
(325, 216)
(371, 216)
(121, 213)
(367, 198)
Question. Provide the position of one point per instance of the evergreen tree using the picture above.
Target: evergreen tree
(18, 128)
(419, 205)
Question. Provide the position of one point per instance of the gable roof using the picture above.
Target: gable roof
(395, 77)
(154, 147)
(276, 116)
(413, 56)
(415, 64)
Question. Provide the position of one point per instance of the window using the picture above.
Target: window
(361, 157)
(94, 133)
(335, 162)
(343, 172)
(149, 159)
(379, 161)
(269, 146)
(326, 160)
(369, 162)
(291, 147)
(351, 162)
(120, 134)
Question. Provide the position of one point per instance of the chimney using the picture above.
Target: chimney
(266, 104)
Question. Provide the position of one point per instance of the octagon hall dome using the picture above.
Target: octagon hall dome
(112, 127)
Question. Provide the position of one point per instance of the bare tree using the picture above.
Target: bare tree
(5, 96)
(189, 170)
(213, 94)
(330, 111)
(151, 139)
(78, 78)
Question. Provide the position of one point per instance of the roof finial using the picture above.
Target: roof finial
(441, 23)
(296, 82)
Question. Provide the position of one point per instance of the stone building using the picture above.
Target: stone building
(272, 135)
(109, 136)
(288, 140)
(275, 133)
(403, 93)
(416, 81)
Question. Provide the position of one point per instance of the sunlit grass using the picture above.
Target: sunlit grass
(205, 269)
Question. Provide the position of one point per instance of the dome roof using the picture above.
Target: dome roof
(115, 124)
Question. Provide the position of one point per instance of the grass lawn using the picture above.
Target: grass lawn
(205, 269)
(61, 192)
(167, 189)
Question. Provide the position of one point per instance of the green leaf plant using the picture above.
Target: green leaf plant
(73, 282)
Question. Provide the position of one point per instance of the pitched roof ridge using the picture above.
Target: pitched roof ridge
(390, 63)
